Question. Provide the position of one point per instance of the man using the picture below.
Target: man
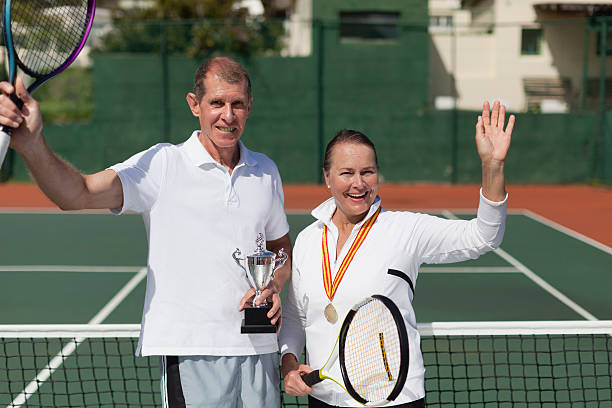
(200, 200)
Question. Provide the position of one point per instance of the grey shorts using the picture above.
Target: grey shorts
(220, 381)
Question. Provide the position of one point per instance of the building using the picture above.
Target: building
(534, 55)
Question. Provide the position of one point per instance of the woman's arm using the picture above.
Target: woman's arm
(292, 371)
(492, 143)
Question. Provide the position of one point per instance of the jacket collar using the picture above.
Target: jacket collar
(200, 156)
(326, 209)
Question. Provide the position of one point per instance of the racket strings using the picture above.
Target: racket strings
(372, 352)
(45, 33)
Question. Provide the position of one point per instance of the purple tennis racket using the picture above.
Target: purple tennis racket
(42, 38)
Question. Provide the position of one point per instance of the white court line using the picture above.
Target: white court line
(567, 231)
(535, 278)
(469, 269)
(59, 358)
(545, 285)
(67, 268)
(49, 210)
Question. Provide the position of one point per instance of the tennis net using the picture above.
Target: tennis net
(477, 364)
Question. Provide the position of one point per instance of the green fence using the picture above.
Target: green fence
(383, 88)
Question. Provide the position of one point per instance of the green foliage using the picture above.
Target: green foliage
(68, 97)
(192, 27)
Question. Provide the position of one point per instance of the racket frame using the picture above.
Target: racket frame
(316, 376)
(42, 78)
(14, 61)
(7, 36)
(403, 342)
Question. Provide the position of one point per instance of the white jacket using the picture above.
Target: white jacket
(400, 241)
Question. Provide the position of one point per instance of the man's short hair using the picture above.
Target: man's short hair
(227, 69)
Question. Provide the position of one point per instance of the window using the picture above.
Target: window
(608, 42)
(531, 39)
(369, 25)
(441, 21)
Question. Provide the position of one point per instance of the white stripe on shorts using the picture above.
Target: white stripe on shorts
(163, 381)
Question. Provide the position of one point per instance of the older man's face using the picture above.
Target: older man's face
(223, 112)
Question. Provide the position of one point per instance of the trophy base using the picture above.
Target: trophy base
(256, 320)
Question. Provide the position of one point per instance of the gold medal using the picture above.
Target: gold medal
(331, 286)
(330, 313)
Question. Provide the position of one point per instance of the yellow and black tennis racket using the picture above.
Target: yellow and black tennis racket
(372, 350)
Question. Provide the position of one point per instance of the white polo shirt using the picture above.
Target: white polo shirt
(399, 242)
(196, 214)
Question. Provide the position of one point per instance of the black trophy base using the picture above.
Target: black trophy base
(256, 320)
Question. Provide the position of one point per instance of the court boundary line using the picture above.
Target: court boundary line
(57, 361)
(133, 269)
(537, 279)
(302, 211)
(70, 268)
(566, 230)
(469, 269)
(44, 210)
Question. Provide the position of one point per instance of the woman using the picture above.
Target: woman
(397, 241)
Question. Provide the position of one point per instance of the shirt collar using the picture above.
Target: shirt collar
(200, 156)
(326, 209)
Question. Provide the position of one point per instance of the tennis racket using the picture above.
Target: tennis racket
(42, 38)
(372, 349)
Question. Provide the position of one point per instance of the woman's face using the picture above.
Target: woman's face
(353, 179)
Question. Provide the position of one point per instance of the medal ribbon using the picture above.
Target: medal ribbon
(332, 286)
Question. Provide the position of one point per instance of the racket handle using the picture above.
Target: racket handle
(312, 378)
(5, 131)
(16, 100)
(4, 143)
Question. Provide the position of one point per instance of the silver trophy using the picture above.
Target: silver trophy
(261, 266)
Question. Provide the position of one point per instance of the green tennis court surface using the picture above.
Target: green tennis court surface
(88, 268)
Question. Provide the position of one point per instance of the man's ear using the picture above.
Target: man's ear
(250, 104)
(193, 103)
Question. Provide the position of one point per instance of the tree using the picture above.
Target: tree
(192, 27)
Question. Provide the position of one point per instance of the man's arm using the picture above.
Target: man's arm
(59, 180)
(282, 275)
(67, 187)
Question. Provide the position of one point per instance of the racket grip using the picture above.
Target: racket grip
(4, 143)
(16, 100)
(5, 131)
(312, 378)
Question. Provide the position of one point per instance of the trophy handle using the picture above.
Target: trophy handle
(236, 256)
(280, 260)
